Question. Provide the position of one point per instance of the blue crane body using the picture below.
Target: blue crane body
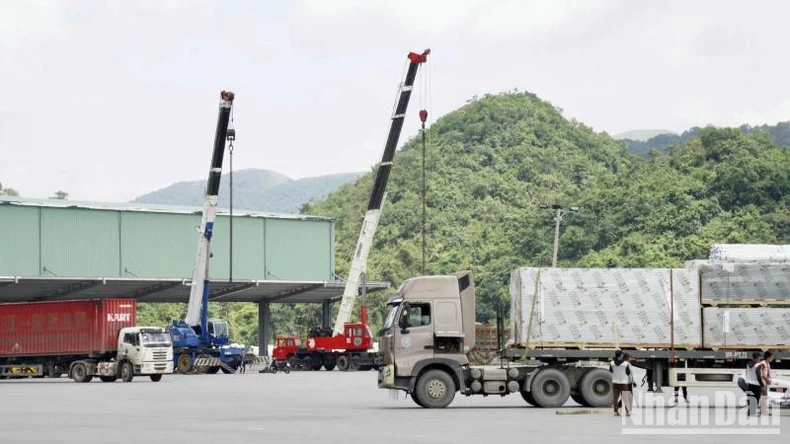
(200, 342)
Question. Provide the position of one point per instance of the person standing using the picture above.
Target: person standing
(764, 369)
(620, 370)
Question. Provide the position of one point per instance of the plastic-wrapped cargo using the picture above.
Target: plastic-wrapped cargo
(744, 283)
(749, 252)
(604, 307)
(746, 327)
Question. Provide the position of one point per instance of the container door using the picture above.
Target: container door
(414, 336)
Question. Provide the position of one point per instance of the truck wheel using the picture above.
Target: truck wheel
(156, 378)
(329, 367)
(79, 373)
(550, 388)
(108, 378)
(528, 397)
(435, 389)
(416, 399)
(212, 370)
(579, 399)
(127, 371)
(184, 363)
(595, 388)
(342, 363)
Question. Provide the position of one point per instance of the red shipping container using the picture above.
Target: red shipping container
(64, 327)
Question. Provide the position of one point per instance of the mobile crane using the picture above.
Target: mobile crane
(348, 345)
(200, 342)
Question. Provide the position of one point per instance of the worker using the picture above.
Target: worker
(764, 369)
(620, 370)
(753, 383)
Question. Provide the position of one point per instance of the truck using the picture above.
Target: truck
(349, 344)
(82, 339)
(429, 333)
(202, 344)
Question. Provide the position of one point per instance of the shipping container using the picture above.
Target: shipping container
(64, 327)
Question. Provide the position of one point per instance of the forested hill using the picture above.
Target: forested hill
(779, 134)
(495, 161)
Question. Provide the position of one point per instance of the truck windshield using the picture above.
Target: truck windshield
(156, 339)
(389, 322)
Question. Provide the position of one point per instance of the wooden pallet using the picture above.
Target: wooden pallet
(741, 347)
(759, 303)
(603, 345)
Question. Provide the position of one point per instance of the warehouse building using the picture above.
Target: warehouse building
(58, 249)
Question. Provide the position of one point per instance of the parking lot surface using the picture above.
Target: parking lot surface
(300, 407)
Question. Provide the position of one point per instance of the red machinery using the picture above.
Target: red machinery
(349, 345)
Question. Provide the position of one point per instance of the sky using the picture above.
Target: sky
(109, 100)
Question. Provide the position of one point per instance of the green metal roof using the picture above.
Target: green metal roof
(150, 208)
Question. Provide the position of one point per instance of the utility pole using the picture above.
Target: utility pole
(559, 212)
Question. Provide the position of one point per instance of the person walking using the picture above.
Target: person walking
(620, 370)
(753, 383)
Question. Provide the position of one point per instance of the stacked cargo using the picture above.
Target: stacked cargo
(605, 308)
(713, 304)
(745, 304)
(750, 252)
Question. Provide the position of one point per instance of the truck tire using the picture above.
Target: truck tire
(416, 399)
(212, 370)
(108, 378)
(184, 363)
(156, 378)
(579, 399)
(595, 388)
(528, 397)
(79, 373)
(550, 388)
(127, 371)
(329, 367)
(435, 389)
(343, 363)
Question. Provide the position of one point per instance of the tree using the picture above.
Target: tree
(60, 195)
(8, 191)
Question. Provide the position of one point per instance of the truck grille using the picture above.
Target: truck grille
(160, 356)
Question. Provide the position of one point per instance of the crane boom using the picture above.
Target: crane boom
(197, 310)
(370, 223)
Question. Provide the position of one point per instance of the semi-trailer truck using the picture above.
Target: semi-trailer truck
(83, 339)
(430, 330)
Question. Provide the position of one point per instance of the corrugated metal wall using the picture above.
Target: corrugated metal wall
(50, 241)
(19, 241)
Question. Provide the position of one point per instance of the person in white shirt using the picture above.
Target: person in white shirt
(621, 371)
(754, 383)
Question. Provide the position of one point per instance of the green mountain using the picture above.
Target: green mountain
(642, 135)
(254, 189)
(660, 143)
(495, 161)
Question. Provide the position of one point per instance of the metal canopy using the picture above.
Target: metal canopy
(30, 289)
